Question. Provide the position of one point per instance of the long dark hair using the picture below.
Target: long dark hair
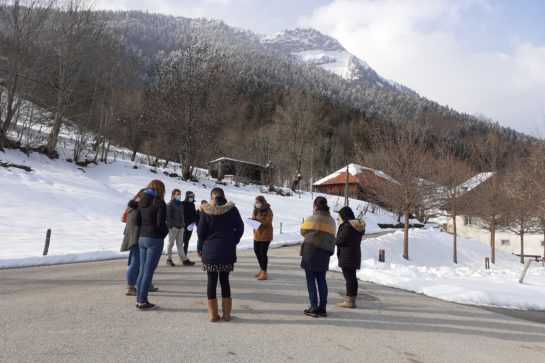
(320, 203)
(347, 214)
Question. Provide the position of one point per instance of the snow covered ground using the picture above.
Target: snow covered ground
(430, 271)
(83, 207)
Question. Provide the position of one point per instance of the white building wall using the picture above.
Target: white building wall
(533, 244)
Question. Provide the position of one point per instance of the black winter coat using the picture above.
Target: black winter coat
(348, 243)
(151, 217)
(190, 213)
(314, 258)
(220, 229)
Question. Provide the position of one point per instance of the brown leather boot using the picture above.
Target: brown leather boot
(258, 274)
(263, 276)
(226, 306)
(349, 302)
(213, 310)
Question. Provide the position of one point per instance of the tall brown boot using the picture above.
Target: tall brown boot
(226, 306)
(263, 276)
(213, 310)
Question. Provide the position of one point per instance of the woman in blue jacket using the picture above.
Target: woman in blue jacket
(219, 231)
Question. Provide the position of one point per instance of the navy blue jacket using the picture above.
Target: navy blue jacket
(220, 229)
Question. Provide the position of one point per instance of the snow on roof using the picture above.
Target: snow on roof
(236, 161)
(475, 181)
(353, 171)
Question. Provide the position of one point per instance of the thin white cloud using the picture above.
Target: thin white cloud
(416, 43)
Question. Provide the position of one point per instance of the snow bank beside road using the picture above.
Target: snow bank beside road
(430, 271)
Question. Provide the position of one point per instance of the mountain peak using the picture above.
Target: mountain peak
(301, 39)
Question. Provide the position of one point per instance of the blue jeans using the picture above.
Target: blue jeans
(134, 265)
(314, 277)
(150, 254)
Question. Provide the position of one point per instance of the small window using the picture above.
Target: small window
(505, 242)
(542, 243)
(467, 220)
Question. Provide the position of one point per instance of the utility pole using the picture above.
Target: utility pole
(346, 188)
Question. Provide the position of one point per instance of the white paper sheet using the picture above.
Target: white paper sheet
(253, 223)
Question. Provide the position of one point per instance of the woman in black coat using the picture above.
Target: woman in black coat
(348, 243)
(219, 231)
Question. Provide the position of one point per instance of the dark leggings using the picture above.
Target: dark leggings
(213, 283)
(351, 282)
(261, 249)
(187, 237)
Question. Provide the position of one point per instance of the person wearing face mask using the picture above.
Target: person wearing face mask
(175, 223)
(190, 217)
(262, 235)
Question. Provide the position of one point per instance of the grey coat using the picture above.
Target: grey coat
(175, 214)
(132, 231)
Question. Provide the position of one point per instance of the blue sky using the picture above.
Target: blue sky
(483, 57)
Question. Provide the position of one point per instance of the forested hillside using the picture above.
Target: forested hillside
(191, 90)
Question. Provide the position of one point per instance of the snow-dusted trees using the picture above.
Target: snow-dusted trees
(21, 25)
(403, 155)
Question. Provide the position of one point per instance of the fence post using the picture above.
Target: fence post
(525, 269)
(280, 227)
(47, 240)
(381, 256)
(487, 263)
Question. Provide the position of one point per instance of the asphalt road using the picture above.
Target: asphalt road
(79, 313)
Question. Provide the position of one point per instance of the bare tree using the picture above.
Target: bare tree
(21, 24)
(450, 173)
(294, 123)
(73, 39)
(488, 204)
(185, 103)
(404, 157)
(522, 217)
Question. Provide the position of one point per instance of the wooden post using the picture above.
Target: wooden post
(47, 240)
(280, 227)
(381, 256)
(487, 263)
(525, 269)
(346, 188)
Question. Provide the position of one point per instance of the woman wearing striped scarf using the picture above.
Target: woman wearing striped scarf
(318, 245)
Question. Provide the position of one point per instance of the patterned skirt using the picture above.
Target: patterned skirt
(218, 267)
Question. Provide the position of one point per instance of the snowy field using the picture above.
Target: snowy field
(430, 271)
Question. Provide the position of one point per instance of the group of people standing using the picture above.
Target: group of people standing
(219, 229)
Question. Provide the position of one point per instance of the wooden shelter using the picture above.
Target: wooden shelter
(238, 170)
(361, 182)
